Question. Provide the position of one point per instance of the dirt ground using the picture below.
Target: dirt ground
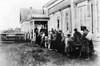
(28, 54)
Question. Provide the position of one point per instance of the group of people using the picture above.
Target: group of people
(40, 37)
(81, 41)
(57, 41)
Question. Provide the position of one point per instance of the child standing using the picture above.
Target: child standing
(67, 39)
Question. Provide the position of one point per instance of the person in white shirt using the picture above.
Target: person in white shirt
(88, 36)
(49, 39)
(42, 39)
(68, 37)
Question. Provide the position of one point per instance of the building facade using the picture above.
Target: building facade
(31, 19)
(66, 15)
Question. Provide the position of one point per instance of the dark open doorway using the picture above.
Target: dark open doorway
(41, 26)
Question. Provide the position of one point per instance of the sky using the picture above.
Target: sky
(10, 11)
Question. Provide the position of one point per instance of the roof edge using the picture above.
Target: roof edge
(49, 3)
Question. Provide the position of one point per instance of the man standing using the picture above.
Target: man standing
(77, 35)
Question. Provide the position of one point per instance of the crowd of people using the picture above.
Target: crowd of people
(57, 41)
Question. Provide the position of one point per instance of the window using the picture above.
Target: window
(57, 23)
(68, 21)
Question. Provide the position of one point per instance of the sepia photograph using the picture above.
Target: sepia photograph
(49, 32)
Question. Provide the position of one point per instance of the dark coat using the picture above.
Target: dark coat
(77, 36)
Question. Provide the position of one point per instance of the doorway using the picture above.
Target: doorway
(41, 26)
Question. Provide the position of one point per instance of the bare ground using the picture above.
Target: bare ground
(27, 54)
